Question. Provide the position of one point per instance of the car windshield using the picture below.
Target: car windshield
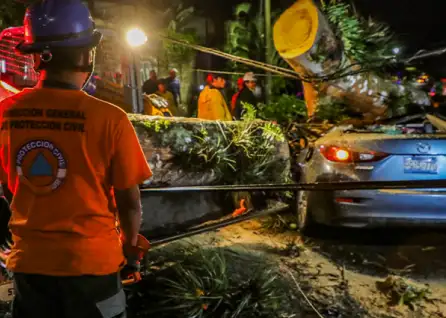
(429, 125)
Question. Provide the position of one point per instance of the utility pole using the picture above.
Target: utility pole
(269, 49)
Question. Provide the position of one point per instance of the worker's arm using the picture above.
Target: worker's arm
(130, 212)
(129, 170)
(223, 110)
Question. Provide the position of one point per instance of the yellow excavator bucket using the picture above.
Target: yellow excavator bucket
(304, 38)
(294, 34)
(296, 30)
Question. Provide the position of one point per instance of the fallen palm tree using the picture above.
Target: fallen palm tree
(329, 44)
(191, 152)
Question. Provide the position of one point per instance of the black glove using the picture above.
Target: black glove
(134, 255)
(133, 264)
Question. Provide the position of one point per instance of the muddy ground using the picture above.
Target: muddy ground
(340, 273)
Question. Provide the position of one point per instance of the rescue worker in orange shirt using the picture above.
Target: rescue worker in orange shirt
(72, 162)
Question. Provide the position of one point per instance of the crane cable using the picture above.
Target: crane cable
(340, 73)
(267, 67)
(354, 68)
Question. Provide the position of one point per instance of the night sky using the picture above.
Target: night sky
(418, 24)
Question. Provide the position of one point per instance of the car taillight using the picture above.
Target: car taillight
(341, 154)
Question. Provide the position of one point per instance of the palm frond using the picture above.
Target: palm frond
(243, 8)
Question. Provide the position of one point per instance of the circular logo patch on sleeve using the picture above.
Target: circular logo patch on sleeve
(41, 166)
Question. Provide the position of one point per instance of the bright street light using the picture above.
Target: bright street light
(136, 37)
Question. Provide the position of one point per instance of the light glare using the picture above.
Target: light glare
(342, 155)
(136, 37)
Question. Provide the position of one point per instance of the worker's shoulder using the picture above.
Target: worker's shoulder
(104, 109)
(12, 100)
(209, 93)
(214, 91)
(6, 102)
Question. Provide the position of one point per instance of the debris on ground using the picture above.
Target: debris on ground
(400, 292)
(280, 223)
(213, 282)
(243, 271)
(337, 285)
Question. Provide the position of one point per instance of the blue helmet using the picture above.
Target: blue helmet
(55, 24)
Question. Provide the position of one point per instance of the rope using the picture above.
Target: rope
(285, 72)
(267, 67)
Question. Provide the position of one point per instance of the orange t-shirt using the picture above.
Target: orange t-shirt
(62, 154)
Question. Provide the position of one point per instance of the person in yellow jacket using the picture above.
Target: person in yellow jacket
(168, 96)
(211, 103)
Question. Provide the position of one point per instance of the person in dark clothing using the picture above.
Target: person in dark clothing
(246, 95)
(174, 86)
(240, 87)
(151, 85)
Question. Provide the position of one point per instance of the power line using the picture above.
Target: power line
(230, 73)
(353, 69)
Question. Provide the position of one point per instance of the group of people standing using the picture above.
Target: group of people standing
(212, 104)
(168, 88)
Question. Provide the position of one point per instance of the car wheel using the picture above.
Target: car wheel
(305, 222)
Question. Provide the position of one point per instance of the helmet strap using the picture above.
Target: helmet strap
(90, 67)
(81, 61)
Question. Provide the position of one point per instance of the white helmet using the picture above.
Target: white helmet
(249, 77)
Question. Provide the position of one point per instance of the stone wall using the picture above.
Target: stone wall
(167, 151)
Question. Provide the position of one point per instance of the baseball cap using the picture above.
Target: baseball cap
(249, 77)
